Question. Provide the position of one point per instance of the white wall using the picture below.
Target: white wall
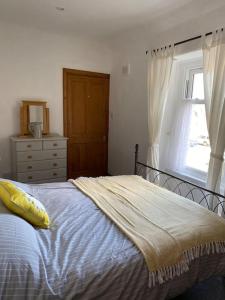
(128, 105)
(31, 63)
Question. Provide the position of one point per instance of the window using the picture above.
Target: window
(194, 84)
(184, 140)
(198, 147)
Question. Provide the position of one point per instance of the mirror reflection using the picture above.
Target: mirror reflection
(36, 114)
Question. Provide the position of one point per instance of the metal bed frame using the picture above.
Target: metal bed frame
(209, 199)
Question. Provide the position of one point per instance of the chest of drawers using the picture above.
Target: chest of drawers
(39, 160)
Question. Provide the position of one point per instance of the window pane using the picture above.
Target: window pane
(198, 141)
(198, 86)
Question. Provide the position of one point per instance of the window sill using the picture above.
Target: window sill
(188, 177)
(197, 181)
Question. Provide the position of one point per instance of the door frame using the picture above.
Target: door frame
(66, 73)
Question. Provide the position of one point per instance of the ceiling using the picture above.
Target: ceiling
(103, 18)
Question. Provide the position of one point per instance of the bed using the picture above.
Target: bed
(83, 255)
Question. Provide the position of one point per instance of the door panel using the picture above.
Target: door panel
(77, 107)
(96, 107)
(86, 100)
(88, 159)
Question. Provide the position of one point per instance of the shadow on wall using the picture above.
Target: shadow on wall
(10, 125)
(5, 158)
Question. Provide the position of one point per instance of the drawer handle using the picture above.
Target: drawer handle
(55, 144)
(29, 146)
(29, 167)
(55, 174)
(55, 165)
(29, 156)
(55, 154)
(30, 177)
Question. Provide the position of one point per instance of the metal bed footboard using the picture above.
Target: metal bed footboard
(209, 199)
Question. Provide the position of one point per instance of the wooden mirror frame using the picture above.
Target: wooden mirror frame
(24, 116)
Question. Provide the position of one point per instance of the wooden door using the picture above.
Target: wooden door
(86, 101)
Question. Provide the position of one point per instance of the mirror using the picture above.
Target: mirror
(34, 111)
(36, 114)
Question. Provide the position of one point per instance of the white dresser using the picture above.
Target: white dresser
(39, 160)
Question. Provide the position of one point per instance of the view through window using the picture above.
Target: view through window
(198, 152)
(198, 141)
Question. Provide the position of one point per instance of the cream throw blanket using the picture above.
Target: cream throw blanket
(168, 229)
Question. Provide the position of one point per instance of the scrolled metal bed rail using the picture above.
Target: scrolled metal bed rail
(209, 199)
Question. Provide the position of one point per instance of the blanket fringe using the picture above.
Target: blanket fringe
(169, 272)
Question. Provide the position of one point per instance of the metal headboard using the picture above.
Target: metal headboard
(209, 199)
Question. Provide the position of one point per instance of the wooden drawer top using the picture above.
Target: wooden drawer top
(44, 138)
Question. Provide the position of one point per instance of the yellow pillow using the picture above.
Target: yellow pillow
(24, 205)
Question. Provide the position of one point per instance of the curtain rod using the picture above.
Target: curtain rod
(185, 41)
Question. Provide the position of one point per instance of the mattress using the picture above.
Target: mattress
(82, 256)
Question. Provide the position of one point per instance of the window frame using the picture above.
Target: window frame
(189, 83)
(188, 90)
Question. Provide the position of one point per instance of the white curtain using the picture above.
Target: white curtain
(159, 75)
(178, 145)
(214, 85)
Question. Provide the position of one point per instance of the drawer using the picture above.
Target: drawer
(41, 175)
(41, 155)
(53, 154)
(28, 145)
(41, 165)
(54, 144)
(29, 156)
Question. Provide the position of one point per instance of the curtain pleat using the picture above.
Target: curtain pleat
(159, 74)
(214, 88)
